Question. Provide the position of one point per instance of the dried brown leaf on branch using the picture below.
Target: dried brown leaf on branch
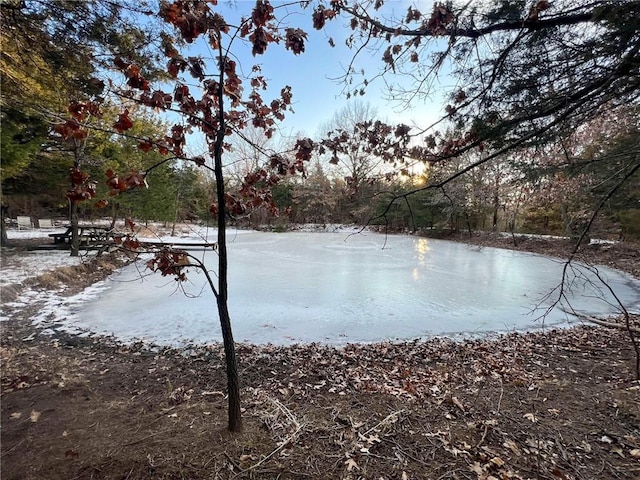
(321, 15)
(260, 40)
(170, 262)
(262, 13)
(146, 145)
(71, 129)
(540, 6)
(295, 38)
(441, 18)
(124, 122)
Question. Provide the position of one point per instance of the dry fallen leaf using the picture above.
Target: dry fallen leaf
(617, 450)
(635, 453)
(476, 468)
(513, 446)
(530, 416)
(632, 440)
(15, 415)
(351, 464)
(559, 474)
(457, 403)
(34, 416)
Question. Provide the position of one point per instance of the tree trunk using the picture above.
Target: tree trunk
(233, 382)
(175, 216)
(78, 155)
(4, 240)
(114, 216)
(566, 221)
(496, 203)
(75, 238)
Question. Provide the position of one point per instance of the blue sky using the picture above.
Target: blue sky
(316, 97)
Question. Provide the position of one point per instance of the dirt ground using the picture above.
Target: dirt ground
(556, 405)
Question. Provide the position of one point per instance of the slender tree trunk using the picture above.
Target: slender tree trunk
(78, 154)
(4, 240)
(496, 202)
(114, 216)
(496, 207)
(233, 381)
(566, 221)
(511, 225)
(175, 215)
(73, 220)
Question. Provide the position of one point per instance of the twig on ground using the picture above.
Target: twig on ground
(283, 443)
(280, 447)
(394, 415)
(501, 395)
(405, 453)
(484, 435)
(232, 461)
(147, 437)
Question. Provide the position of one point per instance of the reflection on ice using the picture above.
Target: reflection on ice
(334, 288)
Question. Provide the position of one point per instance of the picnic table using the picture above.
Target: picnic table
(88, 234)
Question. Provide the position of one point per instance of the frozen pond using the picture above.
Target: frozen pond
(335, 288)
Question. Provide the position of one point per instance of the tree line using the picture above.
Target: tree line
(512, 194)
(53, 51)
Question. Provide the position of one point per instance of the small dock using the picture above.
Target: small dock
(180, 245)
(111, 244)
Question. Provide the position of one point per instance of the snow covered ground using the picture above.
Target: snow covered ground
(18, 268)
(326, 287)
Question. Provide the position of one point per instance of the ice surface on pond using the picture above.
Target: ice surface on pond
(336, 288)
